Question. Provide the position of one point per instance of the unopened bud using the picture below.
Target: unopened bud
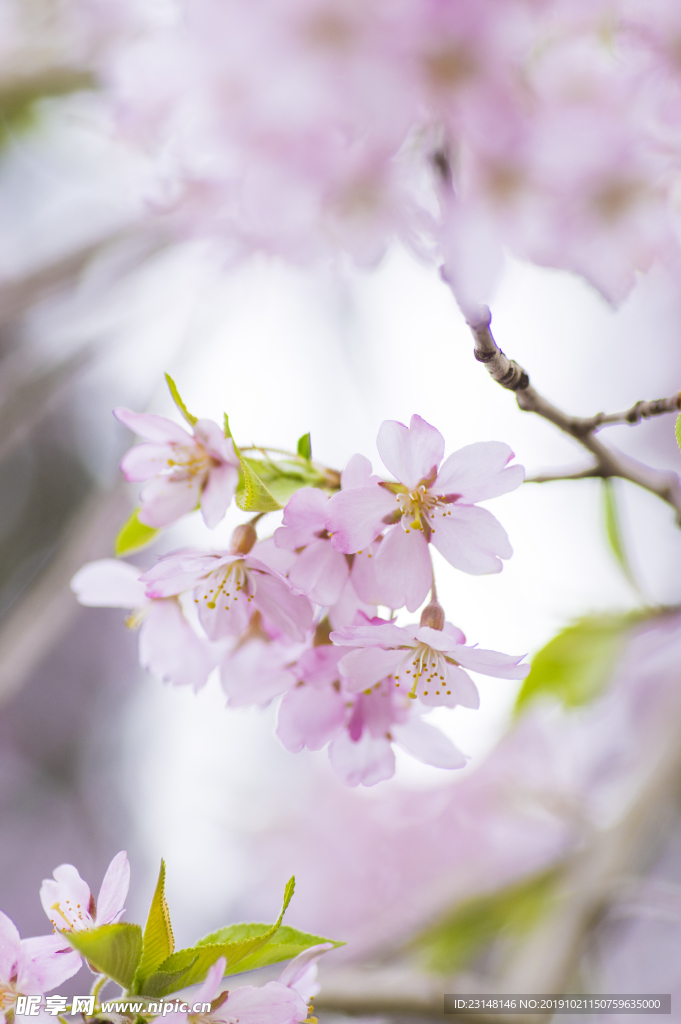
(433, 615)
(243, 539)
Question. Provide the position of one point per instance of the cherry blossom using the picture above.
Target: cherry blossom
(31, 966)
(70, 905)
(168, 646)
(421, 662)
(434, 502)
(183, 470)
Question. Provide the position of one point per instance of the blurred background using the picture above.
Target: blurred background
(552, 861)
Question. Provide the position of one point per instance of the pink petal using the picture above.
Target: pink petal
(403, 568)
(310, 717)
(217, 493)
(9, 947)
(165, 500)
(477, 472)
(152, 427)
(355, 517)
(295, 974)
(213, 440)
(386, 635)
(271, 1004)
(456, 636)
(170, 649)
(357, 473)
(176, 573)
(343, 612)
(320, 572)
(463, 690)
(211, 983)
(230, 613)
(363, 575)
(319, 665)
(364, 762)
(410, 454)
(45, 962)
(145, 460)
(491, 663)
(109, 583)
(428, 744)
(438, 639)
(274, 557)
(303, 518)
(471, 539)
(364, 668)
(255, 673)
(289, 612)
(114, 890)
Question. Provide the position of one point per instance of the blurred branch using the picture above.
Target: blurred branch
(608, 461)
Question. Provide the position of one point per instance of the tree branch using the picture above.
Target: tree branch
(608, 462)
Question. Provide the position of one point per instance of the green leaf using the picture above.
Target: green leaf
(252, 494)
(228, 432)
(614, 531)
(159, 942)
(509, 913)
(192, 965)
(191, 420)
(114, 949)
(134, 535)
(574, 667)
(284, 945)
(304, 447)
(678, 430)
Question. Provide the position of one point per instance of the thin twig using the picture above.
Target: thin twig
(608, 462)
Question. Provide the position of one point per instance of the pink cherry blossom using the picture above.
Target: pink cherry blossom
(31, 966)
(168, 646)
(183, 470)
(434, 502)
(227, 589)
(256, 665)
(70, 905)
(425, 662)
(360, 728)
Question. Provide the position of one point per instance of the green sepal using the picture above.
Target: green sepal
(459, 936)
(287, 943)
(678, 430)
(575, 666)
(304, 447)
(191, 420)
(113, 949)
(134, 535)
(193, 964)
(159, 942)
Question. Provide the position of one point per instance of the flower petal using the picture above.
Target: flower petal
(357, 473)
(271, 1004)
(295, 974)
(218, 493)
(213, 440)
(385, 635)
(410, 454)
(403, 568)
(365, 761)
(114, 890)
(310, 717)
(289, 612)
(491, 663)
(170, 649)
(255, 673)
(165, 500)
(428, 744)
(303, 518)
(109, 583)
(477, 472)
(152, 427)
(66, 898)
(364, 668)
(320, 572)
(145, 460)
(355, 517)
(45, 962)
(472, 540)
(9, 947)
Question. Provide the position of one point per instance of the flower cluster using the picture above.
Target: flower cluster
(311, 126)
(157, 980)
(296, 615)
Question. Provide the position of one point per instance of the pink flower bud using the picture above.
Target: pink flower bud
(433, 615)
(243, 539)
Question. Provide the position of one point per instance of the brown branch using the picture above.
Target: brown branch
(608, 462)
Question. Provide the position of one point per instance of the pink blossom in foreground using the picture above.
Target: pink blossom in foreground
(284, 1001)
(434, 502)
(70, 905)
(168, 646)
(256, 666)
(31, 966)
(227, 589)
(421, 662)
(360, 728)
(183, 471)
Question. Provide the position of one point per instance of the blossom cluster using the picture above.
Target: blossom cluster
(305, 127)
(296, 615)
(90, 931)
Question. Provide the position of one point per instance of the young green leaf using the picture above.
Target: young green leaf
(133, 536)
(159, 942)
(191, 420)
(228, 432)
(284, 945)
(114, 949)
(461, 935)
(252, 494)
(304, 447)
(574, 667)
(614, 531)
(191, 965)
(678, 430)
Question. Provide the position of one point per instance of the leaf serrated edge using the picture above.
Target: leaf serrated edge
(172, 387)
